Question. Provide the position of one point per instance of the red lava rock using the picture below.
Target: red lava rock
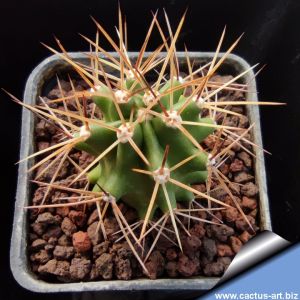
(247, 136)
(218, 218)
(249, 189)
(47, 176)
(219, 193)
(253, 213)
(155, 264)
(63, 211)
(94, 274)
(235, 244)
(123, 269)
(191, 245)
(46, 218)
(39, 196)
(201, 215)
(245, 237)
(232, 121)
(123, 250)
(249, 203)
(163, 243)
(246, 158)
(224, 250)
(208, 248)
(64, 240)
(242, 225)
(187, 267)
(214, 269)
(33, 237)
(229, 201)
(111, 226)
(171, 269)
(77, 217)
(41, 257)
(93, 217)
(68, 227)
(58, 218)
(41, 130)
(54, 94)
(57, 198)
(80, 207)
(94, 235)
(198, 230)
(171, 254)
(38, 244)
(79, 184)
(137, 270)
(63, 252)
(52, 231)
(81, 242)
(55, 267)
(200, 187)
(85, 159)
(100, 249)
(239, 109)
(235, 189)
(66, 86)
(222, 79)
(42, 145)
(225, 261)
(210, 141)
(52, 240)
(50, 128)
(198, 214)
(49, 248)
(220, 232)
(224, 168)
(80, 268)
(230, 214)
(35, 267)
(243, 122)
(242, 177)
(236, 166)
(104, 265)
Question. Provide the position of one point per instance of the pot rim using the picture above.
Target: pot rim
(18, 256)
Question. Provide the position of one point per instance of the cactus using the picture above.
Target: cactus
(140, 142)
(147, 145)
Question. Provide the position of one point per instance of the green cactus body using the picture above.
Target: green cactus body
(114, 172)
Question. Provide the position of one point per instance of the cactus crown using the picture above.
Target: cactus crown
(147, 145)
